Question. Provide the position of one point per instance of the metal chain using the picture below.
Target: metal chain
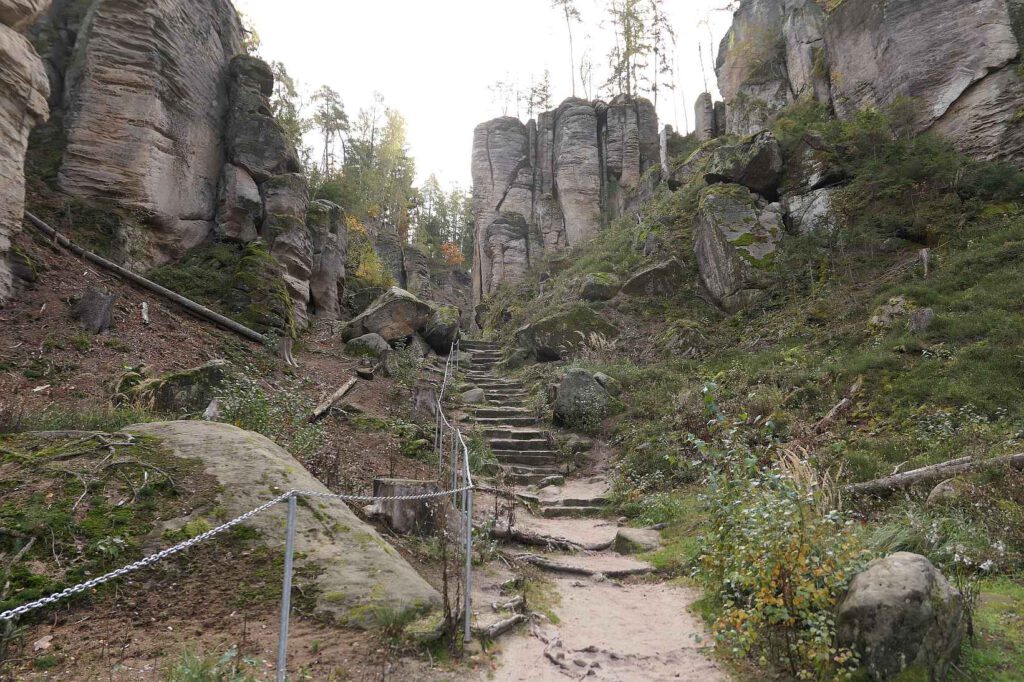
(141, 563)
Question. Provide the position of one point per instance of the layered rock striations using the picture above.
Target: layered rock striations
(551, 183)
(23, 105)
(956, 61)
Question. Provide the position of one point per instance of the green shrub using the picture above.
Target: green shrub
(282, 416)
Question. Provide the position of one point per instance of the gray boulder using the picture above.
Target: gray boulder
(396, 314)
(249, 470)
(662, 279)
(755, 163)
(372, 345)
(599, 286)
(636, 540)
(95, 310)
(474, 396)
(811, 212)
(610, 384)
(921, 319)
(187, 390)
(901, 613)
(737, 235)
(581, 401)
(442, 328)
(552, 337)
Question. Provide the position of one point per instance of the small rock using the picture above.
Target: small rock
(365, 373)
(474, 396)
(610, 384)
(372, 345)
(947, 492)
(581, 401)
(921, 319)
(95, 310)
(636, 540)
(886, 314)
(551, 481)
(599, 286)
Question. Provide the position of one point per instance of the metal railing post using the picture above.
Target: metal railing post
(468, 634)
(286, 590)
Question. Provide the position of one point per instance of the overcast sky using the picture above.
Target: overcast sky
(433, 60)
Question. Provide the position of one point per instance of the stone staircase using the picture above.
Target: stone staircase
(525, 452)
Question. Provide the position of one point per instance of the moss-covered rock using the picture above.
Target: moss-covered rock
(754, 162)
(259, 295)
(188, 390)
(600, 286)
(442, 328)
(656, 280)
(557, 335)
(581, 401)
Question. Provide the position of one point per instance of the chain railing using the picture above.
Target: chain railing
(460, 496)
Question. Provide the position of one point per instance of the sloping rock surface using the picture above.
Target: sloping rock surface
(358, 570)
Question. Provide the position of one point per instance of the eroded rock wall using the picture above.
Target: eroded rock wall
(144, 102)
(23, 105)
(957, 61)
(549, 184)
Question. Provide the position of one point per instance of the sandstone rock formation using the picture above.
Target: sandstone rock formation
(250, 468)
(547, 184)
(956, 60)
(737, 233)
(901, 613)
(144, 102)
(395, 315)
(557, 335)
(23, 105)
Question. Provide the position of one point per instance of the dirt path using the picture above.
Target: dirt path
(612, 619)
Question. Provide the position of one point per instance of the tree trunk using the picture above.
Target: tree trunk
(884, 487)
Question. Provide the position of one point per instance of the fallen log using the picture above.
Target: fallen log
(187, 304)
(325, 407)
(841, 408)
(884, 487)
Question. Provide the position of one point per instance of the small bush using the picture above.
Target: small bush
(282, 416)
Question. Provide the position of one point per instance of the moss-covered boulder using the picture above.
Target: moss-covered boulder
(754, 162)
(899, 614)
(396, 314)
(636, 540)
(184, 391)
(656, 280)
(600, 286)
(736, 238)
(367, 345)
(581, 402)
(557, 335)
(442, 328)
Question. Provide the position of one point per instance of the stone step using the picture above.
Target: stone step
(563, 512)
(520, 444)
(492, 422)
(595, 502)
(530, 458)
(511, 434)
(501, 412)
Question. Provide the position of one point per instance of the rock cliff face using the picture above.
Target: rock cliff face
(22, 107)
(548, 184)
(957, 60)
(144, 101)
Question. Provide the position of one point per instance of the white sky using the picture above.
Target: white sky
(434, 60)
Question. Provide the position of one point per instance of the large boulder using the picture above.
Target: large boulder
(442, 328)
(901, 613)
(368, 344)
(552, 337)
(250, 470)
(754, 162)
(581, 401)
(22, 107)
(187, 390)
(144, 103)
(737, 234)
(811, 212)
(395, 315)
(662, 279)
